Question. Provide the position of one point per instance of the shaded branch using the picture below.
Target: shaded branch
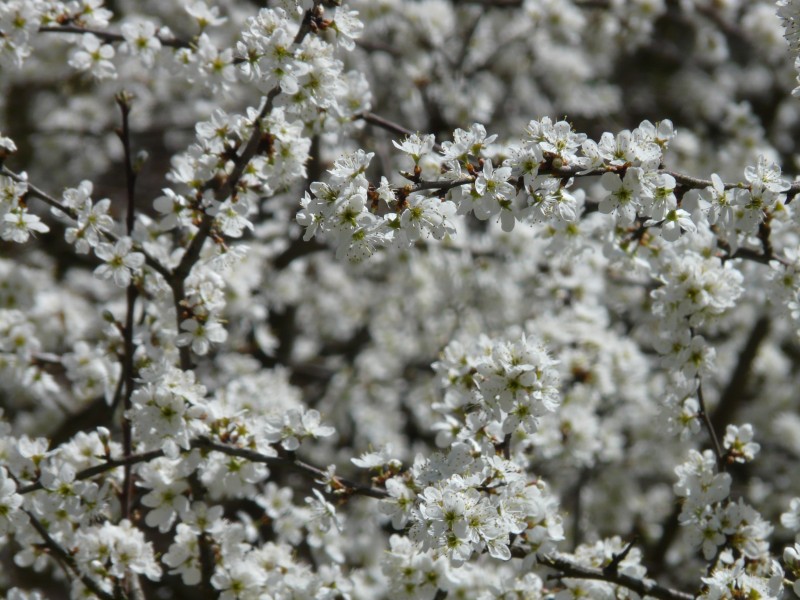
(643, 587)
(443, 185)
(670, 527)
(687, 181)
(108, 36)
(66, 559)
(226, 189)
(712, 433)
(108, 465)
(733, 395)
(125, 392)
(351, 487)
(388, 125)
(48, 199)
(601, 4)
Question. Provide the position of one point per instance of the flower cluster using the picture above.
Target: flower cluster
(458, 505)
(565, 365)
(18, 223)
(722, 528)
(494, 387)
(513, 191)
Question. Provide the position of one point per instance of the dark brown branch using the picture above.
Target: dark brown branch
(351, 487)
(518, 3)
(698, 184)
(41, 194)
(443, 185)
(495, 3)
(712, 433)
(124, 103)
(752, 255)
(373, 46)
(617, 558)
(178, 288)
(656, 553)
(53, 203)
(643, 587)
(66, 559)
(108, 36)
(108, 465)
(221, 192)
(686, 181)
(388, 125)
(733, 396)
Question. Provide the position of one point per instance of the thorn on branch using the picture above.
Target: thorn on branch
(617, 558)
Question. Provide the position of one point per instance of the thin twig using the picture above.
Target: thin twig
(388, 125)
(352, 487)
(48, 199)
(703, 414)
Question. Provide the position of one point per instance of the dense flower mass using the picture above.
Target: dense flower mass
(361, 299)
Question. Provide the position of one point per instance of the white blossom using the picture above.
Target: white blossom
(119, 259)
